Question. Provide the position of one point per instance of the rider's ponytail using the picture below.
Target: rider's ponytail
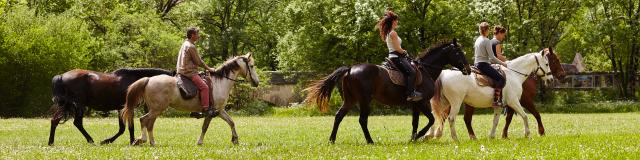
(386, 23)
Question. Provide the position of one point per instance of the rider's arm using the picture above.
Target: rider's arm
(395, 43)
(193, 53)
(489, 51)
(499, 53)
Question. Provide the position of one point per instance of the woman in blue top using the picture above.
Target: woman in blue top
(397, 55)
(484, 57)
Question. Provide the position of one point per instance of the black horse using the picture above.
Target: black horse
(363, 82)
(74, 90)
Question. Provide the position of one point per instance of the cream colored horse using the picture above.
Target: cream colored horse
(452, 89)
(160, 92)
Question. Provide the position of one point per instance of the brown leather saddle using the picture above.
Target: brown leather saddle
(484, 80)
(396, 76)
(187, 88)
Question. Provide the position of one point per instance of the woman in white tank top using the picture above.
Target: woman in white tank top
(397, 55)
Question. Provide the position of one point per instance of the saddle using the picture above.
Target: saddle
(484, 80)
(188, 89)
(396, 76)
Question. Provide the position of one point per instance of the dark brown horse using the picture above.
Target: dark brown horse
(527, 98)
(78, 89)
(364, 82)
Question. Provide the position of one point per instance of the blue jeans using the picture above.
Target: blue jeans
(486, 68)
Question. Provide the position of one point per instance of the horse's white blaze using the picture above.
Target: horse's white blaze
(458, 89)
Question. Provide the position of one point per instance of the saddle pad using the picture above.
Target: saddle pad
(398, 78)
(187, 88)
(484, 80)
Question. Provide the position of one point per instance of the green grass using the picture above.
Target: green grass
(569, 136)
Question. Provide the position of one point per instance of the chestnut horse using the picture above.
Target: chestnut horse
(77, 89)
(527, 98)
(364, 82)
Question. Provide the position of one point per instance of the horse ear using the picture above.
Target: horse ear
(551, 50)
(455, 41)
(249, 55)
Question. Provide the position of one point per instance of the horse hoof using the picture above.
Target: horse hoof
(234, 140)
(473, 137)
(105, 142)
(137, 142)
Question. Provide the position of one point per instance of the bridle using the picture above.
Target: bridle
(246, 62)
(545, 73)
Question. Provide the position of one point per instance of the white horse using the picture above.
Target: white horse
(452, 89)
(160, 92)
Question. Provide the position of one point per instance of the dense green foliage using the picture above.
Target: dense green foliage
(569, 136)
(39, 39)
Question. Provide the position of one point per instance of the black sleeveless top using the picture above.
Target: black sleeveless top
(494, 43)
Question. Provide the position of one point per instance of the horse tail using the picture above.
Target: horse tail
(134, 93)
(60, 107)
(320, 90)
(439, 103)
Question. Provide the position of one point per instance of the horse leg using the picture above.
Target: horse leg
(532, 109)
(121, 127)
(496, 119)
(227, 118)
(505, 131)
(55, 120)
(468, 116)
(429, 115)
(77, 121)
(520, 111)
(364, 118)
(346, 106)
(415, 122)
(144, 121)
(130, 127)
(455, 108)
(150, 123)
(205, 126)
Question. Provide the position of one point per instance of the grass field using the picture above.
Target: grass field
(569, 136)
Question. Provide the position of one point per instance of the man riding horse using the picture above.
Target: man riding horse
(188, 62)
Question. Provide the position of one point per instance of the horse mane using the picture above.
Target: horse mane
(227, 67)
(434, 47)
(142, 71)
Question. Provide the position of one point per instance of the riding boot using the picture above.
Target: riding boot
(497, 97)
(412, 95)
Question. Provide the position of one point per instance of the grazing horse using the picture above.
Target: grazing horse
(160, 92)
(453, 89)
(76, 89)
(527, 99)
(363, 82)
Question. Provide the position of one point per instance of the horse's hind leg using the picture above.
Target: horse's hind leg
(152, 120)
(507, 122)
(346, 106)
(232, 125)
(205, 126)
(121, 127)
(77, 121)
(364, 118)
(55, 120)
(468, 117)
(144, 121)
